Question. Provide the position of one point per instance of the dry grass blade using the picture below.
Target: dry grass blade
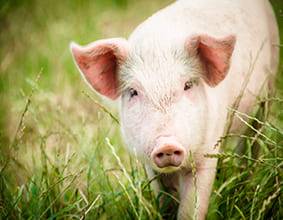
(194, 175)
(234, 155)
(126, 174)
(242, 91)
(254, 129)
(227, 182)
(90, 207)
(102, 107)
(61, 193)
(267, 202)
(21, 121)
(128, 196)
(254, 201)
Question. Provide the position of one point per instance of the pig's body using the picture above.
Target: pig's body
(217, 43)
(254, 25)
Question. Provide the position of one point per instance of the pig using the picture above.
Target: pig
(177, 77)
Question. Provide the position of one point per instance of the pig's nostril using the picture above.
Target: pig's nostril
(159, 155)
(177, 152)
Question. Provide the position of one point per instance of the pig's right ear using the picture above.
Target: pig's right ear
(215, 55)
(99, 63)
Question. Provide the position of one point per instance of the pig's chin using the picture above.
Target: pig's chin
(169, 169)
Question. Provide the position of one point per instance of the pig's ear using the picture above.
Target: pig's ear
(215, 55)
(99, 63)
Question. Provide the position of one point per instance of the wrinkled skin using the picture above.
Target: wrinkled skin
(177, 76)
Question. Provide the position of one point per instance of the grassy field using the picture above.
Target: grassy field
(61, 155)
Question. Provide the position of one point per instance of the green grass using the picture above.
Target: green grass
(61, 155)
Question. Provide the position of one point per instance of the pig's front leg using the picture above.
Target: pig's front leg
(195, 191)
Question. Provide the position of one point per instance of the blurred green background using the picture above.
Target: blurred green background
(54, 162)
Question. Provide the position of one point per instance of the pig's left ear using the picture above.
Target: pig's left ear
(99, 63)
(214, 54)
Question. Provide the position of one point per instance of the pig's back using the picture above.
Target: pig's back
(214, 17)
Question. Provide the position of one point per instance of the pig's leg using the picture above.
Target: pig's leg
(195, 194)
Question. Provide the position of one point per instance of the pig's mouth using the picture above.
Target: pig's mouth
(168, 169)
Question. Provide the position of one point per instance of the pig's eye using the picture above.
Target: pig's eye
(133, 92)
(188, 85)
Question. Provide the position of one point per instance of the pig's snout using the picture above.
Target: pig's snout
(168, 153)
(168, 156)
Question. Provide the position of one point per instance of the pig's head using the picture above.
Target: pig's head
(163, 90)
